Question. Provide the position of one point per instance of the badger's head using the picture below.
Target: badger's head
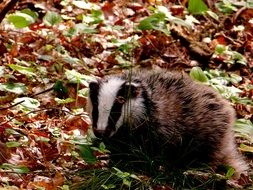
(113, 102)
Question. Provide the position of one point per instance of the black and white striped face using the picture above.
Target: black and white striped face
(111, 101)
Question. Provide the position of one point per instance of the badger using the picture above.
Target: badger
(167, 115)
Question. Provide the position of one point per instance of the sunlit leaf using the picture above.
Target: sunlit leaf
(230, 172)
(197, 6)
(242, 100)
(74, 77)
(234, 78)
(15, 168)
(244, 126)
(13, 144)
(172, 19)
(127, 182)
(219, 49)
(42, 139)
(83, 92)
(30, 12)
(81, 28)
(28, 103)
(121, 174)
(20, 20)
(85, 5)
(246, 148)
(197, 74)
(152, 22)
(110, 186)
(52, 18)
(17, 88)
(226, 6)
(238, 58)
(64, 101)
(97, 16)
(213, 15)
(12, 132)
(24, 70)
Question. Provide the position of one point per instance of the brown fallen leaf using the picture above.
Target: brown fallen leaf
(5, 153)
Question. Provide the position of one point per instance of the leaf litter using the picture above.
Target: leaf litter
(50, 50)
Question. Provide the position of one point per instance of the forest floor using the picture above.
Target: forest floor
(51, 49)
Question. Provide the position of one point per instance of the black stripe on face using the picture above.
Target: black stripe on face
(126, 92)
(93, 93)
(116, 110)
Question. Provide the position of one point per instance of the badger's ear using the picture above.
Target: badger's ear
(133, 89)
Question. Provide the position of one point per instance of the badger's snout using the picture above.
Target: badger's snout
(108, 132)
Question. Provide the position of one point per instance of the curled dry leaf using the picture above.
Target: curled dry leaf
(76, 122)
(47, 183)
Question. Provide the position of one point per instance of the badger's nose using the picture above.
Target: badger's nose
(103, 133)
(98, 133)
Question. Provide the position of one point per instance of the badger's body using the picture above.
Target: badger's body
(167, 115)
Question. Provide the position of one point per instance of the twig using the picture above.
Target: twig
(13, 105)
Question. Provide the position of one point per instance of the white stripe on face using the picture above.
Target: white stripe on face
(106, 97)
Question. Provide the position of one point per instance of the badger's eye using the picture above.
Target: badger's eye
(120, 99)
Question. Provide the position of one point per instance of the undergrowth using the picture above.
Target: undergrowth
(136, 170)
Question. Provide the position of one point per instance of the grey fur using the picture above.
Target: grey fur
(177, 108)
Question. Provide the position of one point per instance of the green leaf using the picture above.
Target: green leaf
(213, 15)
(246, 148)
(20, 20)
(230, 172)
(239, 58)
(64, 101)
(30, 12)
(97, 16)
(15, 168)
(197, 74)
(65, 187)
(60, 89)
(219, 49)
(42, 139)
(110, 186)
(83, 92)
(12, 144)
(87, 154)
(75, 77)
(81, 28)
(102, 149)
(234, 78)
(52, 18)
(17, 88)
(121, 174)
(23, 70)
(197, 7)
(28, 103)
(154, 21)
(226, 6)
(244, 126)
(12, 132)
(127, 182)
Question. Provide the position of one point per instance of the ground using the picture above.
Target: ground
(51, 49)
